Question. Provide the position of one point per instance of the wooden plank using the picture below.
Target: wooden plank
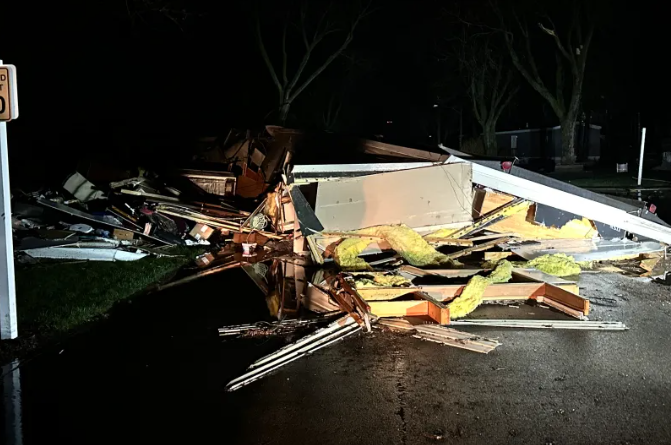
(411, 308)
(384, 293)
(479, 247)
(507, 210)
(448, 273)
(451, 242)
(566, 298)
(438, 312)
(499, 291)
(492, 236)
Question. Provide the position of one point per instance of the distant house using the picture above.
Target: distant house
(546, 143)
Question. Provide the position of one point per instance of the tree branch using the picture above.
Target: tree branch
(533, 77)
(505, 103)
(553, 34)
(266, 59)
(319, 70)
(285, 59)
(348, 39)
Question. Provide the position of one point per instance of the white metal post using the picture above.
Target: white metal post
(640, 163)
(8, 323)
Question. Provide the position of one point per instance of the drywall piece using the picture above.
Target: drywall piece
(590, 208)
(589, 250)
(426, 197)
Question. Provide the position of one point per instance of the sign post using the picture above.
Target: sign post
(640, 163)
(9, 110)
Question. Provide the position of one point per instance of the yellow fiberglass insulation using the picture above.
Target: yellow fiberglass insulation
(347, 254)
(273, 303)
(409, 244)
(559, 265)
(471, 296)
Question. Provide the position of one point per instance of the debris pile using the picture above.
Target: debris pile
(417, 241)
(413, 241)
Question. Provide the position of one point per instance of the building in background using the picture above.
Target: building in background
(545, 143)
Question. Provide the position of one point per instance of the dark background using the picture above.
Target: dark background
(120, 82)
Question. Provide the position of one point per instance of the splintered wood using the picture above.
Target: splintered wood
(458, 339)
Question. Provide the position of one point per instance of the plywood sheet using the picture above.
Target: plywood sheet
(424, 197)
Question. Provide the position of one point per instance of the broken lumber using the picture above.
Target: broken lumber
(458, 339)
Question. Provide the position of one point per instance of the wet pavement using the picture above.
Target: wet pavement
(155, 372)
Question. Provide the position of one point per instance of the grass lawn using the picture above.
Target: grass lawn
(610, 179)
(56, 297)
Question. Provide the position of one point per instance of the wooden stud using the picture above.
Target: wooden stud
(566, 298)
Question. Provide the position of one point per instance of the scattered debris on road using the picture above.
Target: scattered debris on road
(416, 241)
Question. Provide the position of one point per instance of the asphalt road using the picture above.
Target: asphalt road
(155, 373)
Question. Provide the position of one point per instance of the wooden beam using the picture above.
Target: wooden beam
(438, 311)
(499, 291)
(399, 308)
(413, 308)
(566, 298)
(560, 307)
(533, 275)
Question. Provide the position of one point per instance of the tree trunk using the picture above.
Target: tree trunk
(284, 112)
(489, 140)
(568, 139)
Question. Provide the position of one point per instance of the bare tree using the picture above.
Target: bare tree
(289, 87)
(571, 50)
(489, 81)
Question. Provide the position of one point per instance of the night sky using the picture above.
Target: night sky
(120, 81)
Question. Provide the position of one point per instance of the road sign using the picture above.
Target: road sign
(9, 105)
